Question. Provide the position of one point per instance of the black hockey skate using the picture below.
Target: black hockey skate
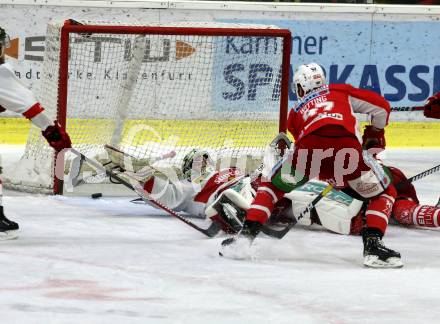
(376, 254)
(237, 247)
(8, 229)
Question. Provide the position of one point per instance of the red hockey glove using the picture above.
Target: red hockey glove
(373, 138)
(432, 107)
(57, 137)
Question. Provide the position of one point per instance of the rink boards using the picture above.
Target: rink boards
(398, 134)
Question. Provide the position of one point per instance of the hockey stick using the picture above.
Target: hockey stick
(211, 231)
(424, 173)
(281, 137)
(281, 233)
(416, 108)
(418, 176)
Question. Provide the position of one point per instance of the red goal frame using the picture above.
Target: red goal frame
(71, 26)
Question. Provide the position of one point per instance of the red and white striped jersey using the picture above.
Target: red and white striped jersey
(336, 104)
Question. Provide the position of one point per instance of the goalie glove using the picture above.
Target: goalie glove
(432, 107)
(229, 210)
(57, 137)
(230, 207)
(373, 138)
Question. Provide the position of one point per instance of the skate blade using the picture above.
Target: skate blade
(8, 235)
(239, 250)
(372, 261)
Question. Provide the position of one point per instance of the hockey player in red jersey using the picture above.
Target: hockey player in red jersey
(338, 211)
(407, 209)
(328, 146)
(343, 214)
(14, 96)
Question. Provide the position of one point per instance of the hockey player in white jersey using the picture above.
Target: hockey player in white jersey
(14, 96)
(197, 185)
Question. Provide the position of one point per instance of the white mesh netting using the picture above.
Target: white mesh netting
(150, 94)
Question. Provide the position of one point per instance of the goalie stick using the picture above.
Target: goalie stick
(279, 234)
(211, 231)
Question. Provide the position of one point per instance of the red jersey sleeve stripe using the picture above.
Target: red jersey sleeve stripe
(148, 186)
(33, 111)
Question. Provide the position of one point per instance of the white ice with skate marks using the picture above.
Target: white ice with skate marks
(80, 260)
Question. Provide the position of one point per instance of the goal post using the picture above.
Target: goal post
(149, 89)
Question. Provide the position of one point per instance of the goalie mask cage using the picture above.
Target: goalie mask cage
(152, 89)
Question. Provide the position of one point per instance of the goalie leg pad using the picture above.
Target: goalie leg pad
(335, 211)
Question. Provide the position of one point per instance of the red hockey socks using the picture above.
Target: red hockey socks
(379, 209)
(263, 204)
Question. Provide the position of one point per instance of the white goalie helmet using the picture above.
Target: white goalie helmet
(308, 77)
(197, 163)
(5, 41)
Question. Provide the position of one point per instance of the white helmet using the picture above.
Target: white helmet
(5, 41)
(197, 163)
(309, 77)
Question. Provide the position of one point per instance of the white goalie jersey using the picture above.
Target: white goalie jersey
(194, 196)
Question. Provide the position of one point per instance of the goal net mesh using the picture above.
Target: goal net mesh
(149, 94)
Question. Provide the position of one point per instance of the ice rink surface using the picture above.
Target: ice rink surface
(80, 260)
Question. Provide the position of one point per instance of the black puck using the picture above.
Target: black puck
(96, 195)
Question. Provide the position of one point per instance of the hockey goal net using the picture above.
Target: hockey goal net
(152, 89)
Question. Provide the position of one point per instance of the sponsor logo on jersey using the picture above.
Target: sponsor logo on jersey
(227, 175)
(365, 189)
(314, 94)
